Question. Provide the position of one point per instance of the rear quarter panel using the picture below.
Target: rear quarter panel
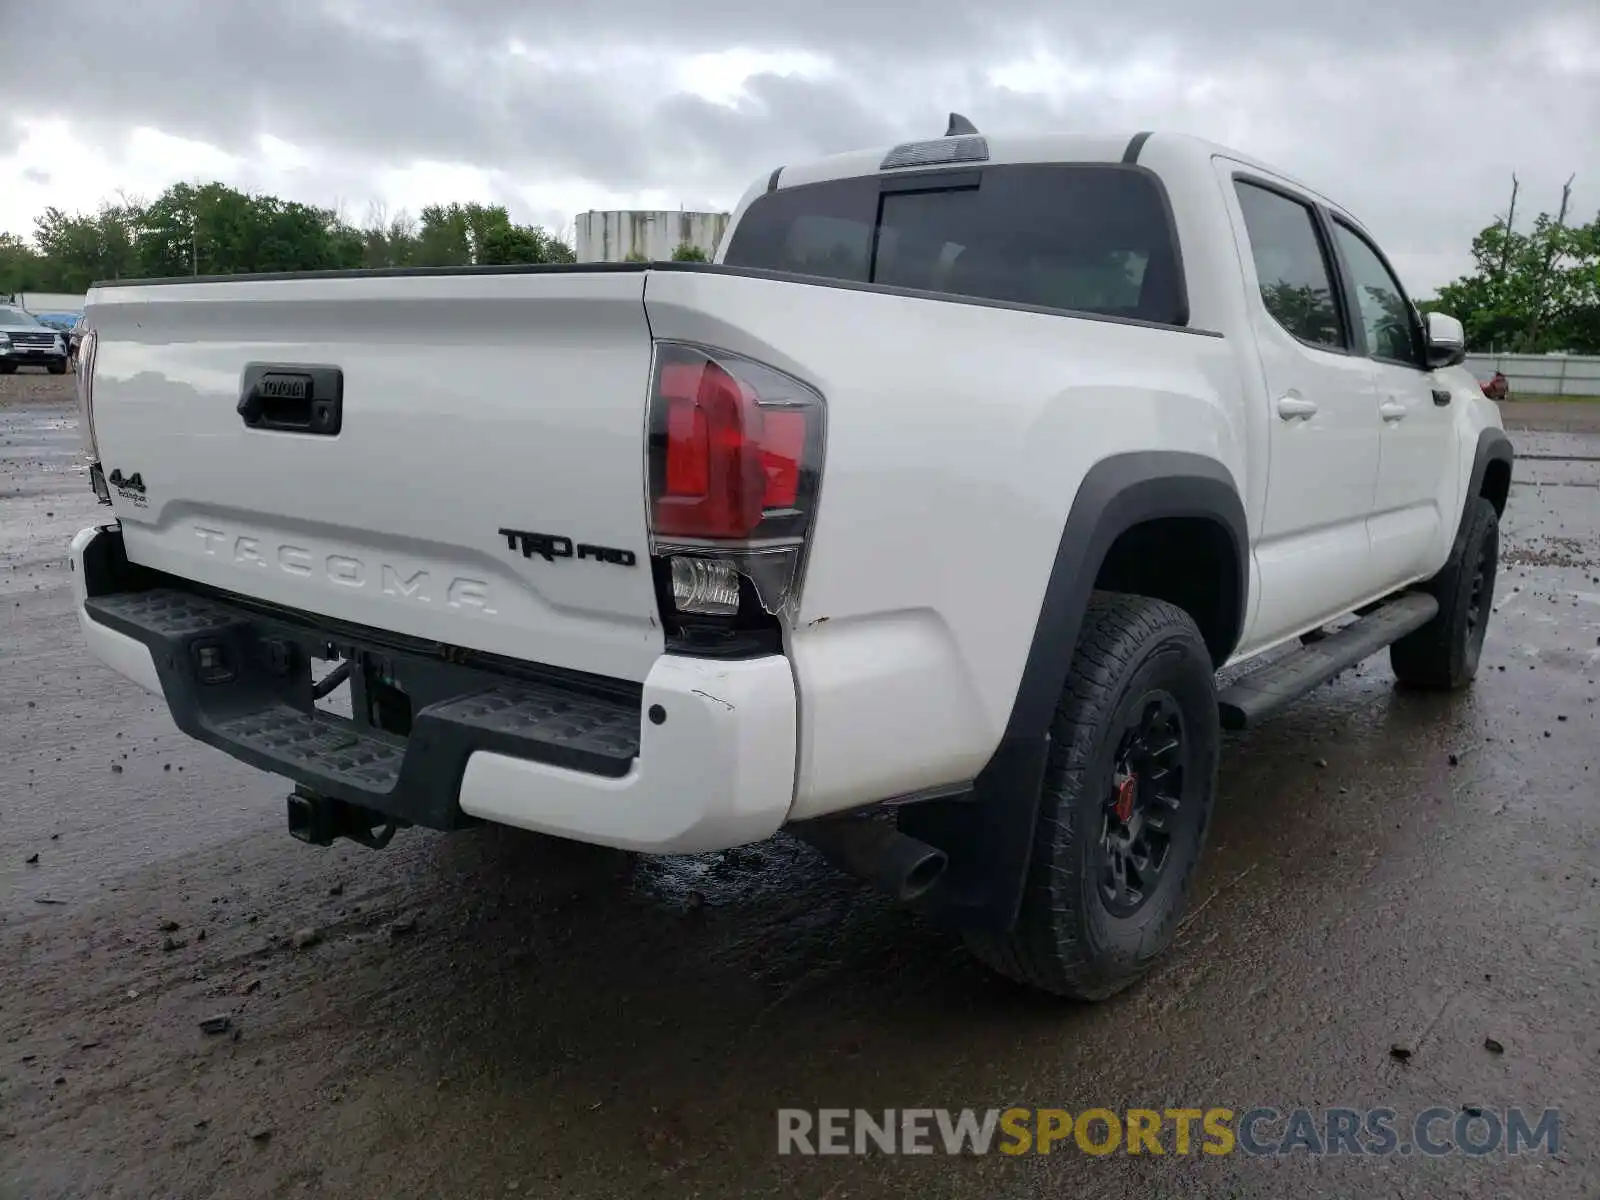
(957, 436)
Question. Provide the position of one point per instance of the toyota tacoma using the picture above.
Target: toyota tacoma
(944, 520)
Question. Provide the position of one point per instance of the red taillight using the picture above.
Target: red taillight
(733, 447)
(735, 455)
(688, 449)
(783, 445)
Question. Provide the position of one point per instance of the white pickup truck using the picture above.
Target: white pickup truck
(920, 523)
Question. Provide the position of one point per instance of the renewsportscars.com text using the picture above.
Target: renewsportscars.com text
(1433, 1132)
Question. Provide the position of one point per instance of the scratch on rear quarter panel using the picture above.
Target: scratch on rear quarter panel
(709, 696)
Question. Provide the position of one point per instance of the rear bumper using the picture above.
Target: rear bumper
(700, 757)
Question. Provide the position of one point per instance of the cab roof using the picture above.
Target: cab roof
(1128, 147)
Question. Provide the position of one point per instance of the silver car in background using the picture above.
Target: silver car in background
(25, 341)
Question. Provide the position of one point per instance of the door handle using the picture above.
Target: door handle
(292, 398)
(1290, 407)
(1392, 411)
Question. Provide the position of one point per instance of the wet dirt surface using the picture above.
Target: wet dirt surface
(492, 1014)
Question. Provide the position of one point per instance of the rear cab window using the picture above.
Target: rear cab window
(1087, 238)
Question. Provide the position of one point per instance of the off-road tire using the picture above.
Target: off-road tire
(1066, 939)
(1444, 654)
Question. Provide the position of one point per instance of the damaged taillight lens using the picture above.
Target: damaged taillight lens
(734, 447)
(83, 387)
(735, 456)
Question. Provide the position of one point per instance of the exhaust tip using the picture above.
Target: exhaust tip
(923, 874)
(877, 852)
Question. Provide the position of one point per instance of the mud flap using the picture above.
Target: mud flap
(987, 835)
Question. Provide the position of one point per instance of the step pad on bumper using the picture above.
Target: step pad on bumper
(599, 728)
(239, 678)
(166, 613)
(324, 746)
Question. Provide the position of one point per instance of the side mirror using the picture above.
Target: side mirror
(1447, 341)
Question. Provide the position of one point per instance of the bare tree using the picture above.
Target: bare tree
(403, 224)
(1552, 251)
(1511, 216)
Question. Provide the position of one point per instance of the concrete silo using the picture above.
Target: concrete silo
(615, 236)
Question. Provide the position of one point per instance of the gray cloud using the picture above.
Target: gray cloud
(1413, 114)
(960, 29)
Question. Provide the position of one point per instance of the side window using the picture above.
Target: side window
(1385, 312)
(1296, 284)
(833, 246)
(817, 229)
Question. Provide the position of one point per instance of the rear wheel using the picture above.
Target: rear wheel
(1128, 792)
(1444, 653)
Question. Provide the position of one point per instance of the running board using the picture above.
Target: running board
(1262, 693)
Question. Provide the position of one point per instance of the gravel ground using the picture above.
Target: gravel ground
(492, 1014)
(33, 386)
(1553, 416)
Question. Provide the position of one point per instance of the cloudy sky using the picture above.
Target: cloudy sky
(1412, 112)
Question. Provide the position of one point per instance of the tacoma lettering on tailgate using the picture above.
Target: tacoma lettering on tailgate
(403, 582)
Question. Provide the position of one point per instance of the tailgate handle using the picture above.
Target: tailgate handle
(292, 398)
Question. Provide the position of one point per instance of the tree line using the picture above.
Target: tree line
(214, 229)
(1531, 290)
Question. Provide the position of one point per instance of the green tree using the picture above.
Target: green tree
(1531, 292)
(522, 244)
(388, 241)
(22, 268)
(464, 234)
(217, 230)
(689, 252)
(444, 239)
(82, 248)
(557, 251)
(213, 229)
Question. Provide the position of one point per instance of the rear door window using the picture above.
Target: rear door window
(1085, 238)
(1291, 266)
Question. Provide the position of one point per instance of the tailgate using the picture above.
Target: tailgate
(472, 409)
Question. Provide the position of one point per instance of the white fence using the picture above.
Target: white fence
(1541, 374)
